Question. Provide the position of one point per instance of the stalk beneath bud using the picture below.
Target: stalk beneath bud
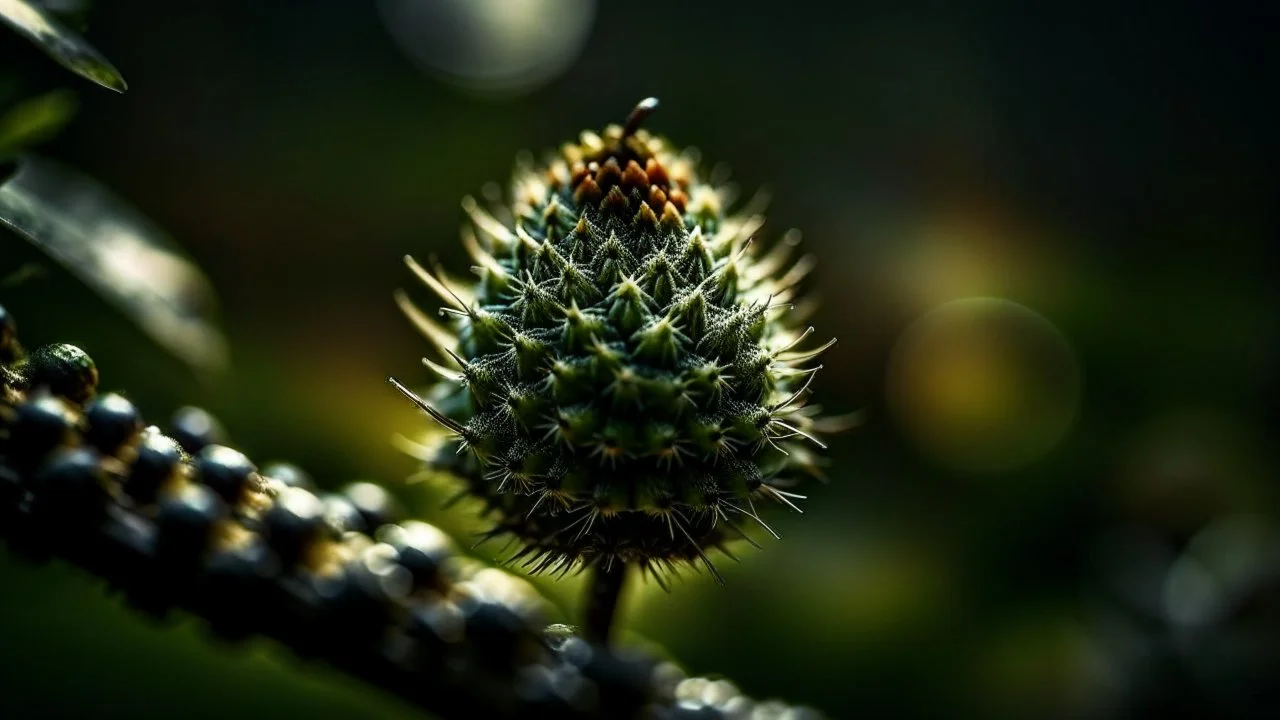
(604, 590)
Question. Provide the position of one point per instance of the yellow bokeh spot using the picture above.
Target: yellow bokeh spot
(983, 384)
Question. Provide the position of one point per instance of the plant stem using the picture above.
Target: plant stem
(603, 592)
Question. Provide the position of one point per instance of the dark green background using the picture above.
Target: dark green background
(1105, 164)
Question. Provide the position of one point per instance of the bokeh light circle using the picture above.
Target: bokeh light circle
(983, 384)
(497, 47)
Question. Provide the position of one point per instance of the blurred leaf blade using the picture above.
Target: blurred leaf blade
(61, 43)
(119, 253)
(36, 120)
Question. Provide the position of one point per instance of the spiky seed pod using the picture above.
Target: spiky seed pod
(626, 376)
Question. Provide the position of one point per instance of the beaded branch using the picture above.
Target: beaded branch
(178, 520)
(628, 374)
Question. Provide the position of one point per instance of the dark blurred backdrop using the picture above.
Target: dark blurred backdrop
(1060, 501)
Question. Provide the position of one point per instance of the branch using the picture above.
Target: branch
(201, 530)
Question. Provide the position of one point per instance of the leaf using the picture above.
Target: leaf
(60, 42)
(117, 252)
(35, 120)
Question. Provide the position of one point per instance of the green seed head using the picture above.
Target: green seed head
(626, 376)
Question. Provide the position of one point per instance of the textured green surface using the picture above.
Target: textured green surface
(626, 378)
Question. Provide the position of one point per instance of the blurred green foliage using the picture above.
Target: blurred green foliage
(44, 24)
(1102, 165)
(92, 233)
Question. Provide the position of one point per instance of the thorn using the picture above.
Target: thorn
(443, 371)
(808, 381)
(801, 433)
(436, 335)
(727, 552)
(657, 577)
(701, 554)
(533, 246)
(463, 363)
(486, 222)
(809, 354)
(770, 440)
(435, 284)
(783, 497)
(423, 406)
(799, 339)
(480, 255)
(754, 516)
(742, 534)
